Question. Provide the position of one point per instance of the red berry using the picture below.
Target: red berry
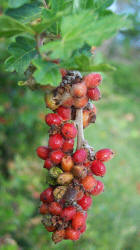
(68, 213)
(64, 113)
(94, 94)
(42, 152)
(50, 228)
(44, 208)
(80, 155)
(47, 195)
(80, 102)
(55, 208)
(98, 189)
(79, 89)
(78, 220)
(72, 234)
(69, 131)
(89, 182)
(98, 168)
(105, 154)
(92, 80)
(83, 229)
(53, 119)
(68, 145)
(55, 141)
(56, 156)
(85, 202)
(48, 163)
(63, 72)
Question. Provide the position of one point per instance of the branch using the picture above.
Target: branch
(45, 5)
(79, 125)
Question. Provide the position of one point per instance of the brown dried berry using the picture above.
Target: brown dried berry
(79, 171)
(64, 179)
(59, 192)
(58, 235)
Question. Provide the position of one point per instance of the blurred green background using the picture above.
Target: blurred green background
(114, 218)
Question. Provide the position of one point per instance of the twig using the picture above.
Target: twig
(79, 125)
(45, 5)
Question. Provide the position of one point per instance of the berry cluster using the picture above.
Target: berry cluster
(72, 174)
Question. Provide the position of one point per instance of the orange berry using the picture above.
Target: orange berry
(67, 163)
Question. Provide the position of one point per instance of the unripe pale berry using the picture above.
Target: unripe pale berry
(53, 119)
(80, 102)
(72, 234)
(78, 220)
(68, 145)
(55, 208)
(92, 80)
(42, 152)
(47, 195)
(64, 113)
(98, 189)
(79, 89)
(56, 156)
(98, 168)
(50, 101)
(79, 171)
(80, 155)
(89, 182)
(68, 213)
(55, 141)
(65, 178)
(67, 163)
(105, 154)
(85, 202)
(94, 94)
(69, 131)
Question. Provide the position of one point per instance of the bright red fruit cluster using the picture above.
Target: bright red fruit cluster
(72, 174)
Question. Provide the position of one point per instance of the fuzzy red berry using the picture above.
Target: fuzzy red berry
(44, 208)
(69, 131)
(80, 155)
(68, 145)
(64, 113)
(56, 156)
(47, 195)
(98, 189)
(83, 229)
(89, 182)
(55, 141)
(72, 234)
(85, 202)
(98, 168)
(78, 220)
(53, 119)
(48, 163)
(55, 208)
(63, 72)
(92, 80)
(42, 152)
(94, 94)
(68, 213)
(105, 154)
(79, 89)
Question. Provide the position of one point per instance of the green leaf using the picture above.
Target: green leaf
(26, 13)
(82, 28)
(10, 27)
(16, 3)
(22, 51)
(46, 72)
(102, 4)
(85, 63)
